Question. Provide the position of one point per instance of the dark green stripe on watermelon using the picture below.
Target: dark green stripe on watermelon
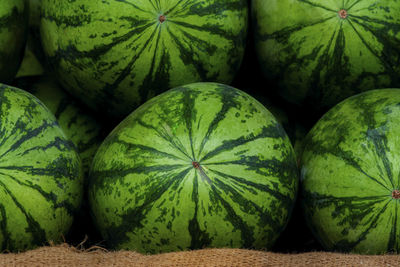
(200, 238)
(33, 228)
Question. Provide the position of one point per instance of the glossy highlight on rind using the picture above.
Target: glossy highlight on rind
(202, 165)
(115, 55)
(350, 174)
(40, 174)
(320, 55)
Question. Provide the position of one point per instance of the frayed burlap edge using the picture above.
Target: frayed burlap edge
(66, 255)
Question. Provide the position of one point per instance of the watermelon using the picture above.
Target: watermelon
(350, 174)
(14, 16)
(41, 176)
(321, 52)
(114, 55)
(202, 165)
(82, 127)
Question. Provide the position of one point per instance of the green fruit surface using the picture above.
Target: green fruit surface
(79, 125)
(203, 165)
(319, 58)
(14, 18)
(114, 55)
(40, 174)
(350, 172)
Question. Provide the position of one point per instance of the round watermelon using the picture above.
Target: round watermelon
(114, 55)
(320, 52)
(202, 165)
(350, 174)
(41, 176)
(14, 18)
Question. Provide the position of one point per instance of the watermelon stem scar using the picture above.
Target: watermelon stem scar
(162, 18)
(196, 164)
(343, 13)
(396, 194)
(203, 175)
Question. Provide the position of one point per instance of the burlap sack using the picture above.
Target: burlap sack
(65, 255)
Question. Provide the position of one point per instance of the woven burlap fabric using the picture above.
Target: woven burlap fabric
(64, 255)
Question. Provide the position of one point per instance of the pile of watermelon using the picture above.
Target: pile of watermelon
(160, 126)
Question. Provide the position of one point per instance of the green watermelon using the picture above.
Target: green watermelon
(82, 127)
(350, 174)
(14, 16)
(78, 124)
(320, 52)
(202, 165)
(114, 55)
(41, 176)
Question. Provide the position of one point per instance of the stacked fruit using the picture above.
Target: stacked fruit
(133, 124)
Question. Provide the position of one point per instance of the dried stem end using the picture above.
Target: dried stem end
(196, 164)
(343, 13)
(162, 18)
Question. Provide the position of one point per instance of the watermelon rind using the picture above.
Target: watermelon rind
(350, 175)
(41, 180)
(79, 124)
(321, 52)
(115, 55)
(202, 165)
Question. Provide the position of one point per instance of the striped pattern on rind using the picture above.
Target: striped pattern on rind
(14, 18)
(115, 55)
(317, 57)
(40, 174)
(350, 167)
(147, 195)
(77, 122)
